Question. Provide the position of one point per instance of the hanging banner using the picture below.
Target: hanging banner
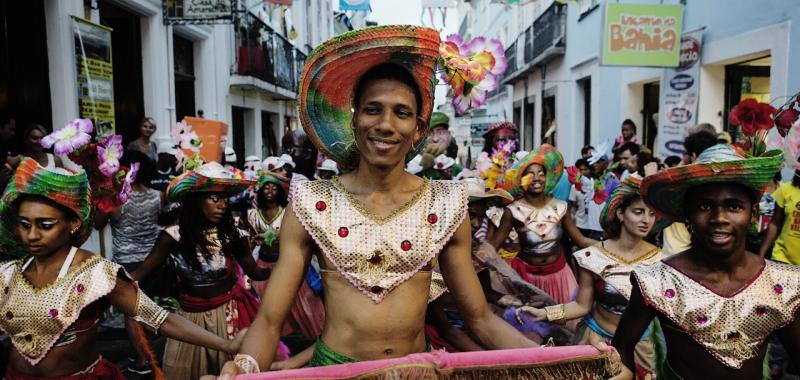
(95, 82)
(180, 12)
(680, 90)
(438, 4)
(641, 35)
(354, 5)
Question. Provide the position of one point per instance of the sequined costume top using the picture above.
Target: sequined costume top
(378, 254)
(612, 287)
(730, 327)
(539, 229)
(212, 270)
(38, 318)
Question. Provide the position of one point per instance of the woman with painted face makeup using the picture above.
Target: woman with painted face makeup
(499, 132)
(604, 274)
(540, 221)
(201, 250)
(32, 147)
(53, 299)
(143, 143)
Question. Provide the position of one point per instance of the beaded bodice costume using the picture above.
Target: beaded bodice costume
(539, 229)
(613, 284)
(378, 254)
(38, 318)
(730, 327)
(213, 269)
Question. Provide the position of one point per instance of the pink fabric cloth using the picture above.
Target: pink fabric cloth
(558, 283)
(259, 286)
(440, 359)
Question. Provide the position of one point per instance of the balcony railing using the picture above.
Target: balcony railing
(541, 41)
(265, 54)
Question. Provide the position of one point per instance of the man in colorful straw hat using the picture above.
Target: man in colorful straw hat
(365, 100)
(717, 302)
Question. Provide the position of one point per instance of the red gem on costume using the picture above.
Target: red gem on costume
(343, 232)
(669, 293)
(702, 319)
(53, 313)
(405, 245)
(9, 315)
(321, 206)
(587, 253)
(5, 290)
(778, 288)
(761, 310)
(432, 218)
(376, 289)
(29, 337)
(80, 288)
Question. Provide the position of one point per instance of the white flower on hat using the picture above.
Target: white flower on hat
(271, 163)
(286, 159)
(329, 165)
(414, 166)
(601, 152)
(443, 162)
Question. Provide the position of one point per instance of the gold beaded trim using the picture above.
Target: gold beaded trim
(370, 215)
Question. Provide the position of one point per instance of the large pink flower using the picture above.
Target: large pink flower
(127, 183)
(474, 97)
(69, 138)
(471, 69)
(109, 151)
(489, 53)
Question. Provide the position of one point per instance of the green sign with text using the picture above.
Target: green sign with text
(642, 35)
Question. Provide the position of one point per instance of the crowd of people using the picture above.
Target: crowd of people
(363, 240)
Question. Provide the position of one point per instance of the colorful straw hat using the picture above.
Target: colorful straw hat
(333, 69)
(64, 187)
(666, 191)
(476, 190)
(629, 188)
(210, 178)
(498, 125)
(547, 156)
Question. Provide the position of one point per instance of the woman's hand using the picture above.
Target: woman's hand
(538, 314)
(509, 300)
(623, 373)
(232, 346)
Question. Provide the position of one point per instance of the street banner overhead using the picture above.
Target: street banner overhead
(679, 93)
(95, 74)
(642, 35)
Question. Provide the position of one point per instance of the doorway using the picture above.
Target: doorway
(24, 72)
(530, 104)
(650, 113)
(548, 119)
(126, 56)
(183, 53)
(237, 121)
(746, 80)
(269, 135)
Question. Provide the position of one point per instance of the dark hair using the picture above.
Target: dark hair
(586, 149)
(147, 168)
(629, 146)
(12, 216)
(614, 229)
(629, 122)
(697, 142)
(390, 71)
(643, 158)
(581, 162)
(32, 127)
(193, 225)
(672, 161)
(282, 198)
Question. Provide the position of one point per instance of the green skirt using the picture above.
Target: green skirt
(324, 355)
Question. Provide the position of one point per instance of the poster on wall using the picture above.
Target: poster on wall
(680, 91)
(95, 83)
(642, 35)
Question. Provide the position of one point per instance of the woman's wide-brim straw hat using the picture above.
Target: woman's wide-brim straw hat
(627, 189)
(545, 155)
(476, 191)
(208, 178)
(65, 187)
(723, 163)
(266, 177)
(334, 68)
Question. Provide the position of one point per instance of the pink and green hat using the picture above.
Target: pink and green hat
(333, 69)
(627, 189)
(208, 178)
(722, 163)
(68, 188)
(547, 156)
(267, 176)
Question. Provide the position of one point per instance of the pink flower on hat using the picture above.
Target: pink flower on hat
(70, 137)
(127, 183)
(109, 151)
(471, 69)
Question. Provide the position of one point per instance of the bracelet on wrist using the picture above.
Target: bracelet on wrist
(555, 313)
(246, 363)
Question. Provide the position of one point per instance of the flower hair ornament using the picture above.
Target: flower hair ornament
(472, 69)
(109, 181)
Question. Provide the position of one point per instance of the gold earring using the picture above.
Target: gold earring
(74, 230)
